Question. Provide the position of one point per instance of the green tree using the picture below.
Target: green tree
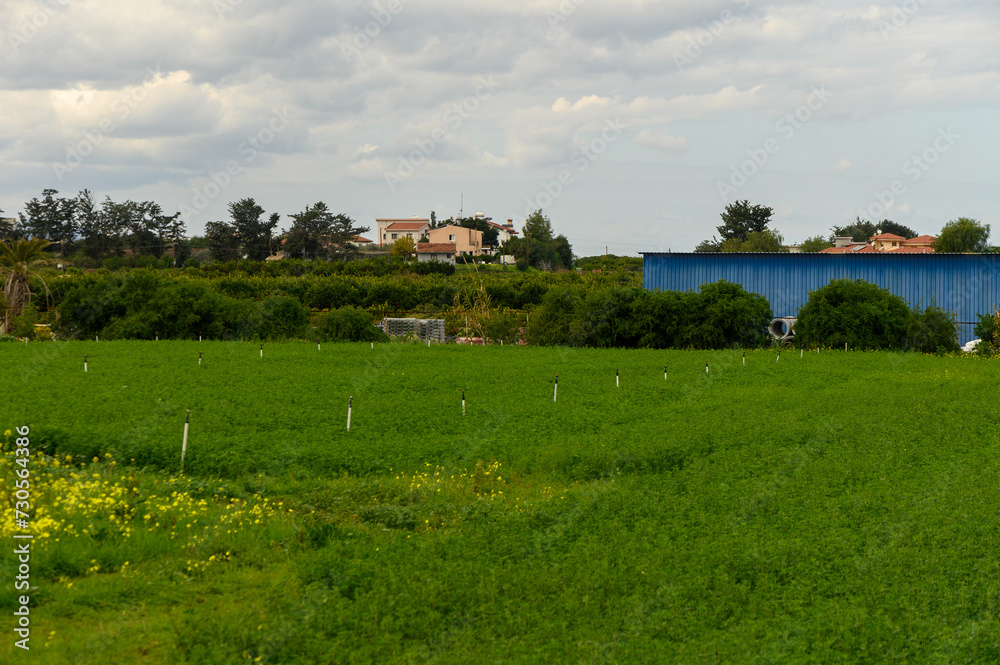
(223, 241)
(343, 232)
(255, 234)
(310, 232)
(19, 261)
(707, 247)
(404, 247)
(768, 240)
(963, 235)
(814, 244)
(537, 226)
(51, 219)
(740, 219)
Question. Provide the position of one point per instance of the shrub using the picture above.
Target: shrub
(933, 331)
(988, 332)
(854, 312)
(724, 315)
(348, 324)
(556, 321)
(282, 317)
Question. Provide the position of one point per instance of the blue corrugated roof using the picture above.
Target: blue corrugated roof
(966, 284)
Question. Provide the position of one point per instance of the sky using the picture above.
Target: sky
(631, 124)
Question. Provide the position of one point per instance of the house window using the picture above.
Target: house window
(451, 238)
(393, 236)
(448, 255)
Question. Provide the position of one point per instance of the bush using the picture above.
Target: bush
(282, 317)
(556, 321)
(933, 331)
(987, 330)
(23, 325)
(854, 312)
(348, 324)
(721, 315)
(724, 315)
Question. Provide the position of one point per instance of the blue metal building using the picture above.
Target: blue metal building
(966, 284)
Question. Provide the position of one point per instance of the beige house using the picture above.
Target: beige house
(467, 241)
(392, 229)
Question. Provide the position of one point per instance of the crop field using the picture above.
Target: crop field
(833, 507)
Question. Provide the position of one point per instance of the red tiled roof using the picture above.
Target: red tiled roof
(360, 239)
(913, 250)
(920, 240)
(887, 236)
(509, 229)
(406, 226)
(435, 247)
(850, 249)
(403, 219)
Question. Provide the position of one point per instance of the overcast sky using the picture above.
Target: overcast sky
(630, 123)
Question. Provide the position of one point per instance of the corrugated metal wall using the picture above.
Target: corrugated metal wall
(966, 284)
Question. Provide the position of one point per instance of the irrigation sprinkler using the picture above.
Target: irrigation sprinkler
(617, 385)
(801, 352)
(779, 356)
(744, 358)
(845, 346)
(199, 359)
(199, 337)
(350, 403)
(319, 347)
(706, 367)
(85, 363)
(184, 443)
(262, 349)
(664, 372)
(555, 389)
(463, 402)
(97, 338)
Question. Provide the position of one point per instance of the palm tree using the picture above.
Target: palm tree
(18, 260)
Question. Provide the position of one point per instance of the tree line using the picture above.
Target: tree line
(746, 228)
(99, 230)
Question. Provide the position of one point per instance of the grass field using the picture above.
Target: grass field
(835, 507)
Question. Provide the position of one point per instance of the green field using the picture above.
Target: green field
(836, 507)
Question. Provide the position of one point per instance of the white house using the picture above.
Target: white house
(436, 251)
(392, 229)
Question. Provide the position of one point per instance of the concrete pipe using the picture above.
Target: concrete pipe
(781, 328)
